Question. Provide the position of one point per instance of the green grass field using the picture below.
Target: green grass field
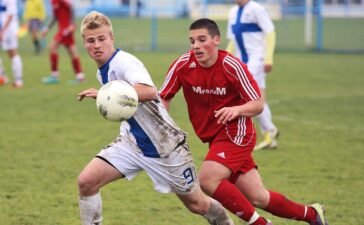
(47, 137)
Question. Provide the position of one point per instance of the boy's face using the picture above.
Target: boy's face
(99, 44)
(204, 46)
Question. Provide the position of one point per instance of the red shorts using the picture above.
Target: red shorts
(65, 40)
(237, 158)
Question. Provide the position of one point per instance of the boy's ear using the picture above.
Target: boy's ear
(217, 39)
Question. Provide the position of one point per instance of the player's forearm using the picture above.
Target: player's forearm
(145, 92)
(270, 43)
(251, 108)
(51, 23)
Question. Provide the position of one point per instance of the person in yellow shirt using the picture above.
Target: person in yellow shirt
(34, 15)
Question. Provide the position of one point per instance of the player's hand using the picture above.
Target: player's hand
(91, 93)
(226, 114)
(68, 30)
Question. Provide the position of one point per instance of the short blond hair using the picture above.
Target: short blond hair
(94, 20)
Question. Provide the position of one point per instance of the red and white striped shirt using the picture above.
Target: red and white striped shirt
(227, 83)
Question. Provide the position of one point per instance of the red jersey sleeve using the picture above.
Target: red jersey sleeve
(171, 83)
(245, 82)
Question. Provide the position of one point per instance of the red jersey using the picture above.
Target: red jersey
(62, 11)
(227, 83)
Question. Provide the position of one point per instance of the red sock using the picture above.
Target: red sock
(280, 206)
(76, 65)
(54, 61)
(233, 200)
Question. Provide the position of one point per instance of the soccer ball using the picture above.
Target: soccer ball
(117, 101)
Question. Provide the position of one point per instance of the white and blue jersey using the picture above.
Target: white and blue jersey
(153, 130)
(247, 26)
(150, 141)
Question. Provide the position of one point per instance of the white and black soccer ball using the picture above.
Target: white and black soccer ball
(117, 100)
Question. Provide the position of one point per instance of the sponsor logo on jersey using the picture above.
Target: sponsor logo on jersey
(192, 65)
(221, 154)
(215, 91)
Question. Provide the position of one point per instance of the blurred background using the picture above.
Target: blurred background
(302, 25)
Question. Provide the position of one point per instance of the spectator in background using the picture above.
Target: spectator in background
(138, 5)
(64, 16)
(252, 39)
(9, 41)
(34, 15)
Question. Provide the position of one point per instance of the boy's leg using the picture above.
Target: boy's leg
(199, 203)
(91, 209)
(76, 64)
(53, 58)
(213, 182)
(94, 176)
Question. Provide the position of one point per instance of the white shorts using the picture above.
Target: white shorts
(10, 39)
(257, 70)
(174, 173)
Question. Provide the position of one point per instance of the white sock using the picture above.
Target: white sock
(55, 74)
(216, 212)
(91, 209)
(254, 218)
(17, 67)
(80, 76)
(265, 119)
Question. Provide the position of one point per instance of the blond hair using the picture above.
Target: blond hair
(94, 20)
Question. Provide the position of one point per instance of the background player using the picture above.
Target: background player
(63, 15)
(34, 15)
(9, 41)
(148, 141)
(252, 39)
(221, 97)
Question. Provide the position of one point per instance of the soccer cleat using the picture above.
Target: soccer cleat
(18, 84)
(269, 140)
(50, 80)
(320, 215)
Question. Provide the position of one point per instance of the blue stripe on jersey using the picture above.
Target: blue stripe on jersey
(142, 139)
(2, 10)
(104, 69)
(239, 28)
